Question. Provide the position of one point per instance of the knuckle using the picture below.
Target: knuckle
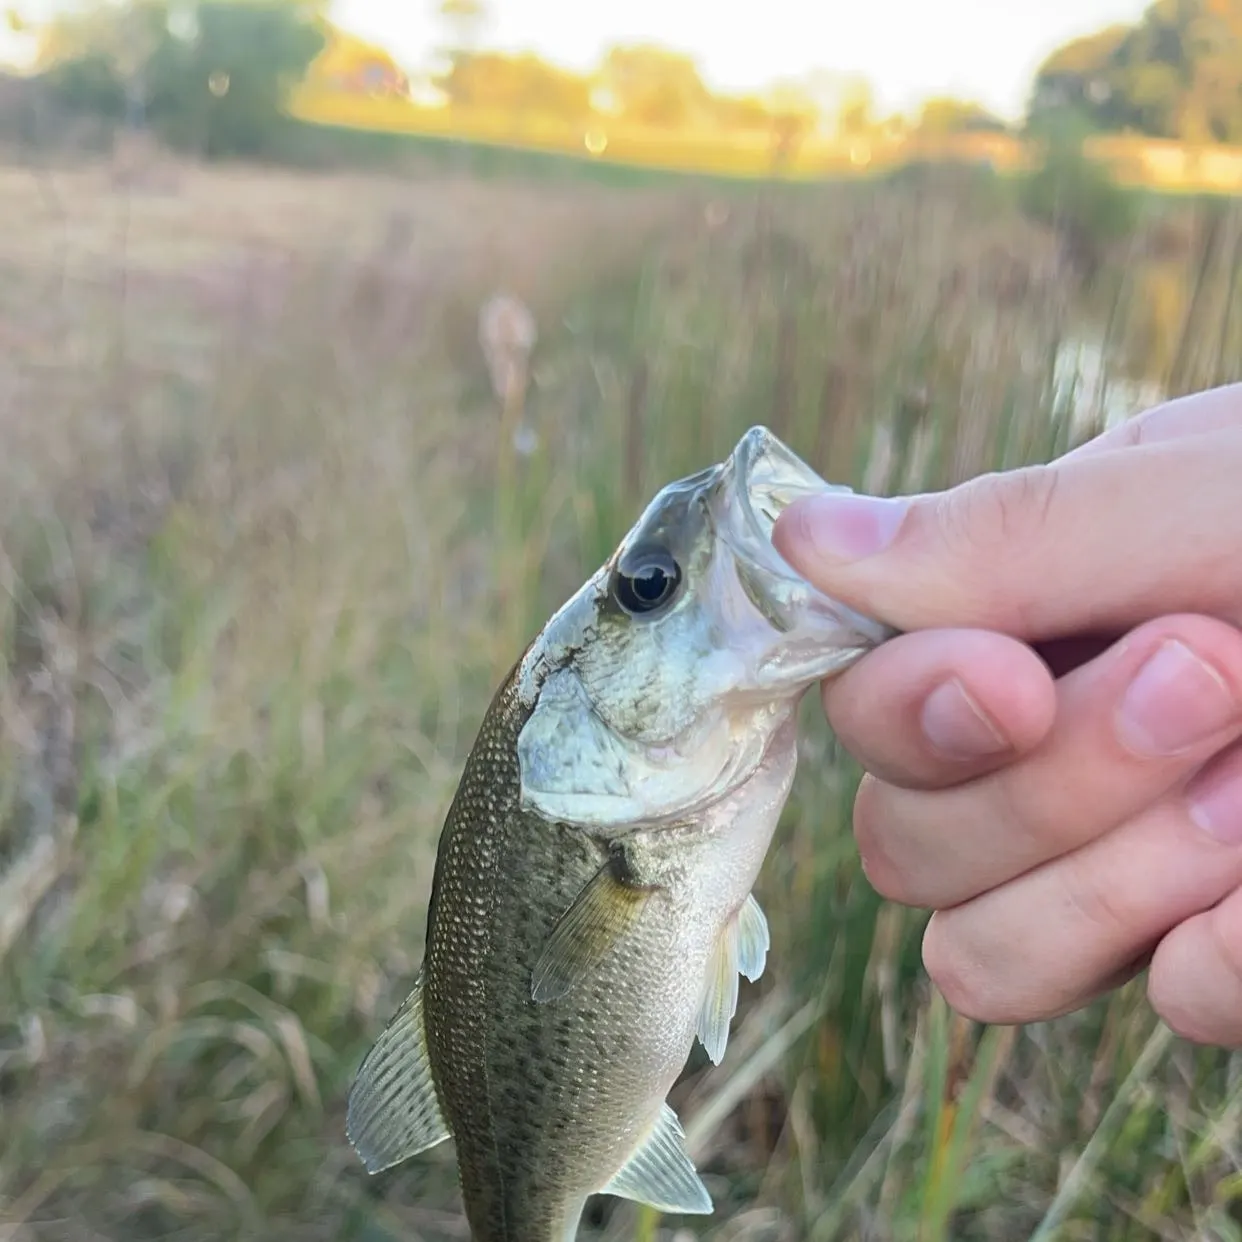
(988, 510)
(1137, 431)
(985, 520)
(1039, 821)
(1096, 900)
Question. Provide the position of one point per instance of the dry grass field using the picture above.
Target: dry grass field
(265, 546)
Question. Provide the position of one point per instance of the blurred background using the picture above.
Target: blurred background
(338, 343)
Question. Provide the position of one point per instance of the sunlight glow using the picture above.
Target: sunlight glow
(907, 49)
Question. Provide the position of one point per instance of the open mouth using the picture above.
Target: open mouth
(769, 477)
(761, 479)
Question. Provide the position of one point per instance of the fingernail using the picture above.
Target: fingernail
(1174, 702)
(847, 527)
(1215, 798)
(957, 726)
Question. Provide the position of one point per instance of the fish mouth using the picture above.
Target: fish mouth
(817, 634)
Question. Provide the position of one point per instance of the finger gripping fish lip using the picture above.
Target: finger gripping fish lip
(767, 477)
(638, 716)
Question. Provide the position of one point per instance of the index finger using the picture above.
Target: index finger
(1092, 545)
(1196, 414)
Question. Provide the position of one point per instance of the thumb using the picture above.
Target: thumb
(1091, 544)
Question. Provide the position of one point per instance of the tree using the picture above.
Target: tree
(87, 85)
(741, 113)
(213, 74)
(1176, 73)
(945, 115)
(516, 84)
(94, 59)
(225, 85)
(1076, 196)
(793, 115)
(651, 86)
(856, 117)
(100, 30)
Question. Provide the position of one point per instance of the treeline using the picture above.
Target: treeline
(214, 73)
(1176, 73)
(212, 76)
(650, 86)
(204, 75)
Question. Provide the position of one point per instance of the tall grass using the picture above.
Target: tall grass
(263, 551)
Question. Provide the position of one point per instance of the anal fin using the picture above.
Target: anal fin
(393, 1110)
(660, 1172)
(741, 949)
(600, 916)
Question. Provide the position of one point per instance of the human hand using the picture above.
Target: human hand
(1066, 832)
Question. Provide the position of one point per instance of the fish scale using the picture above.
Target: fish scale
(541, 1064)
(592, 909)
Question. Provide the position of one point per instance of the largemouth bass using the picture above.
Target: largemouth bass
(591, 910)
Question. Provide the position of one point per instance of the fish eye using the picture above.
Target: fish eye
(649, 580)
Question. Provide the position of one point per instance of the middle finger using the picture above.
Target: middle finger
(1130, 725)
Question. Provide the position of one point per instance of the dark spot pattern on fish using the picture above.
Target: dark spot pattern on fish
(565, 980)
(503, 880)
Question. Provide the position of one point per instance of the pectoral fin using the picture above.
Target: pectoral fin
(741, 949)
(601, 914)
(660, 1172)
(751, 938)
(393, 1110)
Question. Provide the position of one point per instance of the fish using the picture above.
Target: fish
(592, 908)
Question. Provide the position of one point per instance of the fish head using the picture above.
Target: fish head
(654, 692)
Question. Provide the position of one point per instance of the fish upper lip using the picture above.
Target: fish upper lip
(747, 531)
(753, 542)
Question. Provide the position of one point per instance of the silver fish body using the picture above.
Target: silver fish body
(591, 910)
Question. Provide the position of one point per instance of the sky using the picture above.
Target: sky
(986, 50)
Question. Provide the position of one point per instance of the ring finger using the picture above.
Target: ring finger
(1130, 726)
(1051, 940)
